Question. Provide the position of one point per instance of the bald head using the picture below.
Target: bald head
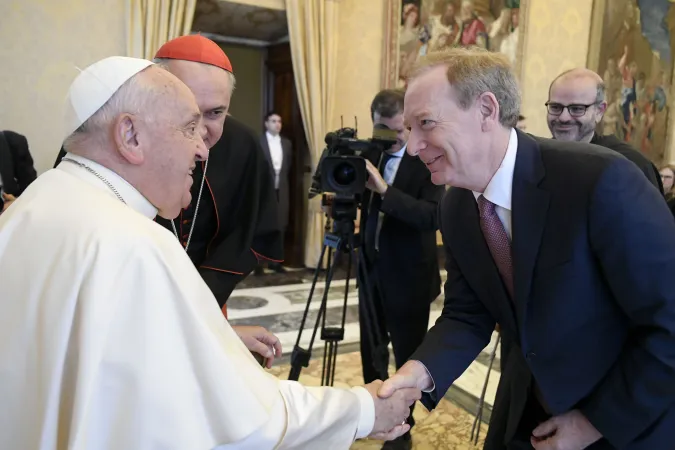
(582, 78)
(576, 104)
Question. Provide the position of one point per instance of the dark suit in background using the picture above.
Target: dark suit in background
(626, 150)
(16, 163)
(593, 314)
(404, 273)
(283, 194)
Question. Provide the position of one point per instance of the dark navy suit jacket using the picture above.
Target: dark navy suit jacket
(593, 318)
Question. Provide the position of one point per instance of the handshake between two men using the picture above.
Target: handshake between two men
(394, 397)
(392, 401)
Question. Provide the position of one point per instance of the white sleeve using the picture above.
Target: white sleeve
(171, 373)
(313, 418)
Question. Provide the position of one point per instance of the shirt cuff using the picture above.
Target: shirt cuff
(433, 383)
(367, 416)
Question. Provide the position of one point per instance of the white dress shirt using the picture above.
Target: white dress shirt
(276, 154)
(390, 170)
(498, 190)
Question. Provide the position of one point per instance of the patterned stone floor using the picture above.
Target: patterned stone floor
(448, 427)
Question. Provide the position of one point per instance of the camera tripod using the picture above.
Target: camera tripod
(340, 242)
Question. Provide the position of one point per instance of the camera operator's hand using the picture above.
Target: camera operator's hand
(327, 204)
(375, 181)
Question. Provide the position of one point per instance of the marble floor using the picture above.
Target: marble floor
(448, 427)
(278, 302)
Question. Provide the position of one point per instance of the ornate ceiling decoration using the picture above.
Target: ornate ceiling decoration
(237, 20)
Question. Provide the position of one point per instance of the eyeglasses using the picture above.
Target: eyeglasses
(575, 110)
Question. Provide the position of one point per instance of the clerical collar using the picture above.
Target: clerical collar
(130, 194)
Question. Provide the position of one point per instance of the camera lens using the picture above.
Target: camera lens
(344, 174)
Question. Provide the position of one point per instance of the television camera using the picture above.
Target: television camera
(342, 171)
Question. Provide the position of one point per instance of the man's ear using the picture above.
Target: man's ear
(127, 139)
(602, 108)
(489, 110)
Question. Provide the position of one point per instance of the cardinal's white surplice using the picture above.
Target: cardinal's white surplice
(109, 338)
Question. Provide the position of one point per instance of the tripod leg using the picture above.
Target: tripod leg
(300, 357)
(475, 427)
(311, 294)
(324, 300)
(333, 362)
(379, 350)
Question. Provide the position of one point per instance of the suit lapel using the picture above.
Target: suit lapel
(474, 255)
(266, 149)
(403, 175)
(404, 172)
(529, 206)
(286, 148)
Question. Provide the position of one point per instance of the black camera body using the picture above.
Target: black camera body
(342, 167)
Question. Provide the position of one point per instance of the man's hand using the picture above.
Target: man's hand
(8, 199)
(327, 207)
(569, 431)
(259, 340)
(375, 181)
(391, 413)
(412, 374)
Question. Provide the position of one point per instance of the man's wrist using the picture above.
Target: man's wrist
(367, 417)
(426, 382)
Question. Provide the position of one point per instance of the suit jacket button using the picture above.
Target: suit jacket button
(530, 355)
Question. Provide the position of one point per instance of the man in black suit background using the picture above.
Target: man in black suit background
(575, 107)
(279, 153)
(16, 167)
(398, 231)
(566, 245)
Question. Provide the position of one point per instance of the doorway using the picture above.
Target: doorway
(282, 98)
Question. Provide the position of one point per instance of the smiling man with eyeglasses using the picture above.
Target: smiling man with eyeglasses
(576, 104)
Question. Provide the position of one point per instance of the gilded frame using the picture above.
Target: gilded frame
(593, 62)
(390, 52)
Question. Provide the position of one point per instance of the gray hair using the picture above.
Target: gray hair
(164, 64)
(474, 71)
(132, 97)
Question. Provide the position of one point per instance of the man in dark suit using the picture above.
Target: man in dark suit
(575, 107)
(566, 245)
(16, 167)
(398, 229)
(278, 151)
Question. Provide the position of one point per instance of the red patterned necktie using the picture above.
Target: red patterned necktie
(497, 241)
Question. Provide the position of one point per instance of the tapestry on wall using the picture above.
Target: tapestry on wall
(417, 27)
(635, 59)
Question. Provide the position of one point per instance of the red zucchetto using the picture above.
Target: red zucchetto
(196, 48)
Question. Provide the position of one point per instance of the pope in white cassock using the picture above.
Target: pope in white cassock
(109, 338)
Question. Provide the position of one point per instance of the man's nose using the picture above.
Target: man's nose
(565, 115)
(202, 129)
(414, 144)
(202, 153)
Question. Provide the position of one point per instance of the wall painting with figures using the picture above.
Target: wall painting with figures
(417, 27)
(632, 49)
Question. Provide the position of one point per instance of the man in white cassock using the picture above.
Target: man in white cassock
(109, 337)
